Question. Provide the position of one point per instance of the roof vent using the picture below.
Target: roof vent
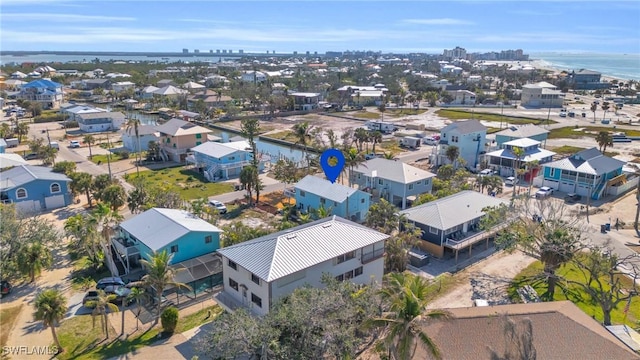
(291, 236)
(326, 225)
(513, 128)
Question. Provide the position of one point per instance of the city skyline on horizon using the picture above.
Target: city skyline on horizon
(285, 27)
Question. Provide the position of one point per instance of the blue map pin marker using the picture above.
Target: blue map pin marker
(332, 167)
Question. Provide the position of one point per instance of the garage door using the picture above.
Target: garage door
(582, 190)
(54, 202)
(566, 187)
(28, 206)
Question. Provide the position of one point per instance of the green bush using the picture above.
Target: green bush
(169, 319)
(124, 154)
(48, 118)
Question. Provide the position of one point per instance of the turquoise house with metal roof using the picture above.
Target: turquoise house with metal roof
(34, 188)
(313, 192)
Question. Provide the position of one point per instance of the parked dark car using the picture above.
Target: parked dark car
(109, 281)
(120, 292)
(89, 298)
(572, 198)
(5, 288)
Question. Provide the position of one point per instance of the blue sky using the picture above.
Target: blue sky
(416, 26)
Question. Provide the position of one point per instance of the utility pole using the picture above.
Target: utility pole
(48, 137)
(109, 156)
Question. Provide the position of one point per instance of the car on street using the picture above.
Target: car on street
(544, 192)
(511, 181)
(5, 288)
(109, 281)
(31, 156)
(74, 144)
(121, 293)
(487, 172)
(222, 209)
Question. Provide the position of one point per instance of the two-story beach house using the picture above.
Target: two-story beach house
(146, 133)
(178, 136)
(34, 188)
(312, 192)
(178, 232)
(470, 138)
(541, 95)
(520, 132)
(452, 223)
(507, 163)
(218, 161)
(256, 273)
(43, 91)
(100, 121)
(586, 173)
(305, 101)
(392, 180)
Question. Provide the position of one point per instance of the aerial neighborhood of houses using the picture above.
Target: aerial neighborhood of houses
(199, 185)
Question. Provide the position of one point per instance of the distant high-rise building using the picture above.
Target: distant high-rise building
(315, 53)
(230, 51)
(295, 53)
(185, 51)
(308, 53)
(224, 51)
(241, 51)
(210, 51)
(457, 53)
(196, 51)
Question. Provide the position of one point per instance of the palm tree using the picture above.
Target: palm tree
(594, 107)
(405, 296)
(22, 129)
(519, 154)
(376, 138)
(134, 124)
(160, 275)
(322, 212)
(301, 131)
(533, 166)
(33, 258)
(137, 294)
(48, 155)
(102, 307)
(352, 158)
(389, 155)
(89, 139)
(361, 135)
(51, 306)
(605, 107)
(382, 108)
(452, 154)
(604, 139)
(82, 182)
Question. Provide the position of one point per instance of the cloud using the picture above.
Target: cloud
(441, 21)
(66, 18)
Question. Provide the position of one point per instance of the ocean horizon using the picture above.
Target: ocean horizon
(621, 66)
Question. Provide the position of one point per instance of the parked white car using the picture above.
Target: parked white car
(74, 144)
(222, 209)
(544, 192)
(487, 172)
(511, 181)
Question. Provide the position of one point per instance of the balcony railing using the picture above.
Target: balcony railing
(124, 246)
(370, 256)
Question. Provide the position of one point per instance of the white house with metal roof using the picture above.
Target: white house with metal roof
(100, 121)
(451, 222)
(133, 143)
(506, 162)
(219, 161)
(541, 94)
(392, 180)
(519, 132)
(178, 232)
(34, 188)
(586, 173)
(312, 192)
(258, 272)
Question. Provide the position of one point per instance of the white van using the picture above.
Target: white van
(55, 145)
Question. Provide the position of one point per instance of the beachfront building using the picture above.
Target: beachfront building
(468, 136)
(258, 272)
(392, 180)
(313, 192)
(587, 80)
(541, 95)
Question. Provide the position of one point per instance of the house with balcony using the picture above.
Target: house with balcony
(392, 180)
(178, 136)
(584, 79)
(253, 76)
(34, 188)
(100, 121)
(258, 272)
(305, 101)
(586, 173)
(507, 163)
(178, 232)
(72, 112)
(521, 132)
(312, 192)
(452, 223)
(462, 97)
(43, 91)
(469, 136)
(541, 95)
(133, 143)
(221, 161)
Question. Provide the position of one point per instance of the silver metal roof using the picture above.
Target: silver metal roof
(452, 210)
(177, 127)
(23, 174)
(589, 161)
(215, 149)
(393, 170)
(524, 131)
(324, 188)
(157, 227)
(277, 255)
(464, 127)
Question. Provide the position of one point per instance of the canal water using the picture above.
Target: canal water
(275, 151)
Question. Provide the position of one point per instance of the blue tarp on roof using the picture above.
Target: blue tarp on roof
(42, 83)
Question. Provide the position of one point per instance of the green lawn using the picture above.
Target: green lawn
(577, 295)
(102, 159)
(364, 114)
(566, 149)
(588, 131)
(189, 184)
(81, 341)
(286, 135)
(403, 112)
(8, 316)
(464, 115)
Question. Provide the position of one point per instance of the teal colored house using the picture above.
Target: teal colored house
(3, 146)
(313, 192)
(34, 188)
(521, 132)
(219, 161)
(586, 173)
(179, 232)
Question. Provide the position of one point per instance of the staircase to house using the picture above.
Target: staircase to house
(599, 189)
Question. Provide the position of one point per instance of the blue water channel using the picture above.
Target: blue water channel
(275, 151)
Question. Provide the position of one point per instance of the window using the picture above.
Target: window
(233, 284)
(302, 193)
(410, 186)
(55, 187)
(232, 265)
(362, 201)
(433, 230)
(174, 249)
(380, 181)
(322, 201)
(357, 271)
(255, 279)
(346, 257)
(256, 300)
(335, 203)
(198, 136)
(21, 193)
(348, 275)
(552, 172)
(198, 142)
(340, 277)
(208, 239)
(232, 158)
(168, 140)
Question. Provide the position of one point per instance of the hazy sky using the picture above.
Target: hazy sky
(416, 26)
